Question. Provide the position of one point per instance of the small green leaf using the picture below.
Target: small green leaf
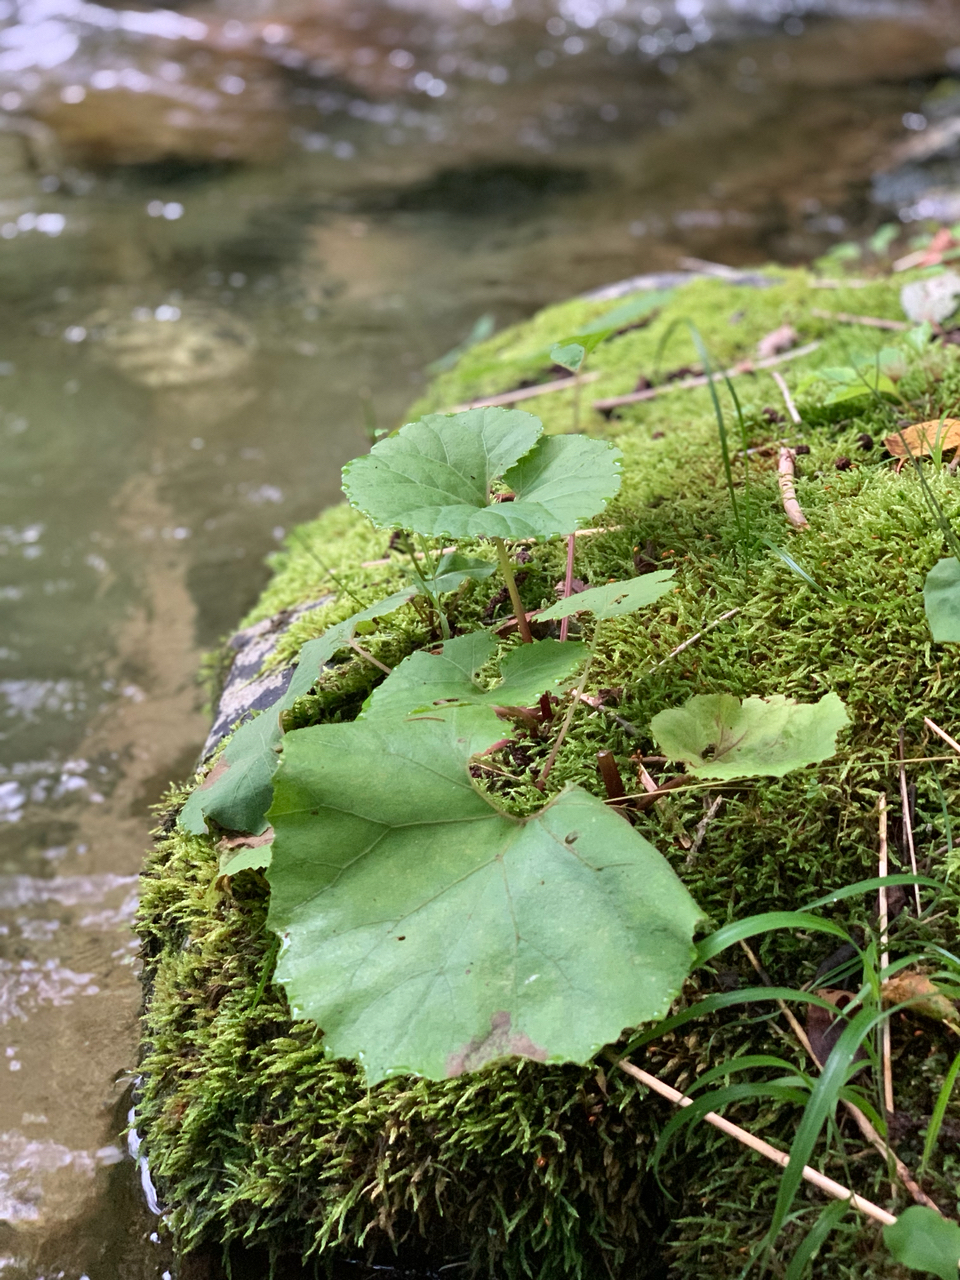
(427, 931)
(627, 313)
(455, 569)
(425, 679)
(568, 355)
(434, 477)
(941, 600)
(923, 1241)
(614, 598)
(851, 383)
(717, 736)
(236, 793)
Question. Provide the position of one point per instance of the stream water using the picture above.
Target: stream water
(230, 242)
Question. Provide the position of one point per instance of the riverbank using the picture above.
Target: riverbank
(254, 1138)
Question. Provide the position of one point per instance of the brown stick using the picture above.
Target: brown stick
(942, 733)
(861, 1121)
(565, 725)
(785, 473)
(747, 366)
(610, 773)
(696, 636)
(787, 397)
(524, 393)
(884, 867)
(368, 657)
(872, 322)
(748, 1139)
(907, 824)
(701, 830)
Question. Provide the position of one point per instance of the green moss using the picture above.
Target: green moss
(254, 1137)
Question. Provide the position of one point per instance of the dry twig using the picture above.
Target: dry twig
(942, 733)
(884, 864)
(747, 366)
(861, 1121)
(748, 1139)
(524, 393)
(787, 397)
(695, 637)
(786, 468)
(701, 830)
(872, 322)
(907, 824)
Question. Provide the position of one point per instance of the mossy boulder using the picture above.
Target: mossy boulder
(256, 1139)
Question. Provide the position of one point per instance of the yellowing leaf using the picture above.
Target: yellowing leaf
(924, 437)
(924, 996)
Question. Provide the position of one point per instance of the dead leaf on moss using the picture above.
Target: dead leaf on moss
(925, 996)
(922, 438)
(824, 1028)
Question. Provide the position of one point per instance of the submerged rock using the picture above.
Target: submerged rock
(171, 346)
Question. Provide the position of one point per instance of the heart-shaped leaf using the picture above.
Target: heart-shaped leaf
(568, 355)
(941, 600)
(614, 598)
(237, 791)
(435, 476)
(718, 736)
(424, 679)
(427, 931)
(924, 1241)
(455, 569)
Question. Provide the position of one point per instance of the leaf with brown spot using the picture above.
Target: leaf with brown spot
(428, 931)
(923, 437)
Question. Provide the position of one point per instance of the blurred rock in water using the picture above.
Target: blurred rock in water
(171, 345)
(124, 86)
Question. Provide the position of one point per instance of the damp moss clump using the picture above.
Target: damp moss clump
(256, 1140)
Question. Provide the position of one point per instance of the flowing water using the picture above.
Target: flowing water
(230, 242)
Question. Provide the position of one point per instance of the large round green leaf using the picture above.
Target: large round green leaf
(435, 476)
(427, 931)
(924, 1241)
(941, 600)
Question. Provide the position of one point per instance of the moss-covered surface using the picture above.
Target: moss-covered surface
(254, 1137)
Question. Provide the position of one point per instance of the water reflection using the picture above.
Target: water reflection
(317, 201)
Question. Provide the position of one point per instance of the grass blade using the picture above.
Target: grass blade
(701, 347)
(936, 1120)
(743, 995)
(740, 930)
(811, 1243)
(821, 1105)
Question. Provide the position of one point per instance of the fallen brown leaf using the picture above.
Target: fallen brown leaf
(922, 437)
(925, 997)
